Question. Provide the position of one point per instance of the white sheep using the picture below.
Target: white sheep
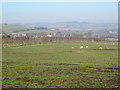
(100, 47)
(81, 47)
(86, 46)
(20, 44)
(72, 47)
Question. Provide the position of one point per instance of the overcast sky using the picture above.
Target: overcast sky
(31, 12)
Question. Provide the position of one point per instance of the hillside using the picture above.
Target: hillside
(12, 28)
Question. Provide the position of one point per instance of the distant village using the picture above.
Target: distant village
(57, 32)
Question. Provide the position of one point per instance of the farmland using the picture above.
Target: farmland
(58, 65)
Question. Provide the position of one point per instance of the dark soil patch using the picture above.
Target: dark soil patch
(104, 49)
(116, 68)
(100, 69)
(56, 64)
(6, 78)
(67, 64)
(113, 68)
(77, 51)
(25, 79)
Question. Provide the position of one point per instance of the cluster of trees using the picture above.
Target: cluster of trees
(33, 40)
(22, 41)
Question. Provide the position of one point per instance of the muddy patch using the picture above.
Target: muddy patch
(104, 49)
(25, 79)
(56, 64)
(6, 78)
(100, 69)
(77, 51)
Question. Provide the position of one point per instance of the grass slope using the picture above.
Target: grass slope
(12, 28)
(59, 66)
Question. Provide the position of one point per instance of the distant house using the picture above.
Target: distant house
(23, 35)
(14, 35)
(52, 29)
(49, 35)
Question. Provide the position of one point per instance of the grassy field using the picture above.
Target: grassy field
(58, 65)
(20, 29)
(11, 28)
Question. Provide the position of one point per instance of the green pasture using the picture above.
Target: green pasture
(12, 28)
(58, 65)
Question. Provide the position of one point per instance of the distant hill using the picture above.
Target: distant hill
(22, 29)
(72, 26)
(81, 26)
(12, 28)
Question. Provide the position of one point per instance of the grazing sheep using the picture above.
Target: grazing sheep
(100, 47)
(81, 47)
(86, 46)
(72, 47)
(21, 44)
